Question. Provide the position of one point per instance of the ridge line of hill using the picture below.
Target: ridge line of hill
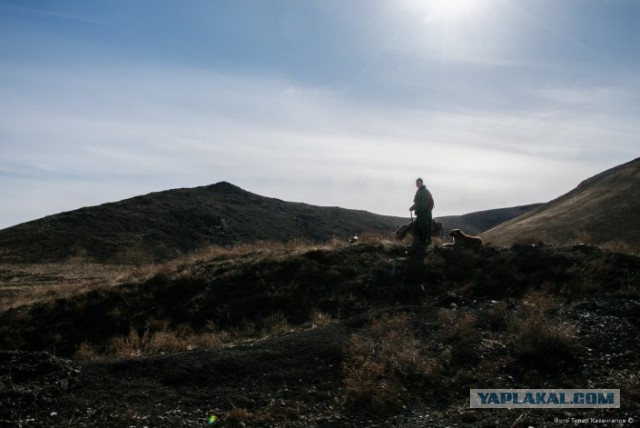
(164, 225)
(601, 210)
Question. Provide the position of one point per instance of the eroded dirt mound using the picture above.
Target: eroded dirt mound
(402, 339)
(248, 291)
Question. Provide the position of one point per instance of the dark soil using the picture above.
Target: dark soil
(468, 313)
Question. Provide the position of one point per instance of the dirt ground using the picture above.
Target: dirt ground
(407, 336)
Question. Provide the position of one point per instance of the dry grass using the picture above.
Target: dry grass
(258, 250)
(619, 247)
(29, 284)
(382, 362)
(276, 324)
(377, 238)
(318, 318)
(540, 340)
(457, 326)
(159, 337)
(87, 352)
(150, 343)
(499, 316)
(540, 303)
(580, 238)
(472, 348)
(538, 336)
(271, 414)
(577, 238)
(460, 333)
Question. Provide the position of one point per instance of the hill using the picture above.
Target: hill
(337, 335)
(164, 225)
(602, 209)
(481, 221)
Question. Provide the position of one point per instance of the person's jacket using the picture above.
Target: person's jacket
(423, 201)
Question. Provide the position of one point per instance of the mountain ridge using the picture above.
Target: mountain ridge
(162, 225)
(479, 221)
(601, 209)
(166, 224)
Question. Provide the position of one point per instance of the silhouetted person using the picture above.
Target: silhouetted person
(422, 205)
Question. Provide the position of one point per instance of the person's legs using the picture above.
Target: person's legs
(427, 232)
(422, 229)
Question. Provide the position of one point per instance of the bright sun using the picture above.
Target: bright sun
(447, 11)
(452, 29)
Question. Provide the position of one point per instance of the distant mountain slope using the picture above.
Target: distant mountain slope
(477, 222)
(166, 224)
(604, 208)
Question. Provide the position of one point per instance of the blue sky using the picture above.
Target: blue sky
(494, 103)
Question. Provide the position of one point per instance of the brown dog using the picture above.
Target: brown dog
(462, 240)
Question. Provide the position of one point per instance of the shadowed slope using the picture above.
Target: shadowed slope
(477, 222)
(163, 225)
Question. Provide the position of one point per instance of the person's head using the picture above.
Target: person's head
(419, 182)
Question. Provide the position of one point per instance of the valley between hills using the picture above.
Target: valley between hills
(152, 313)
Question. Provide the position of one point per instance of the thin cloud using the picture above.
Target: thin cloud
(186, 127)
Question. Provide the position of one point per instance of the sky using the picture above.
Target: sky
(494, 103)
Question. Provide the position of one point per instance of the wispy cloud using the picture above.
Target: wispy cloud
(127, 132)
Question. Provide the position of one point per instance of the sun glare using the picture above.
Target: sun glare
(447, 10)
(453, 29)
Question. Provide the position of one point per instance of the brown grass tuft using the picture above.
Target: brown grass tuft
(87, 352)
(149, 343)
(538, 337)
(580, 238)
(276, 324)
(382, 363)
(619, 247)
(457, 326)
(318, 318)
(542, 341)
(499, 316)
(459, 331)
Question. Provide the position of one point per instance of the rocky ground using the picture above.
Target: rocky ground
(402, 339)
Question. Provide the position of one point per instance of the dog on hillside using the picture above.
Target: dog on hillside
(462, 240)
(437, 230)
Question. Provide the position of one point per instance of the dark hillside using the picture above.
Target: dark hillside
(480, 221)
(164, 225)
(602, 209)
